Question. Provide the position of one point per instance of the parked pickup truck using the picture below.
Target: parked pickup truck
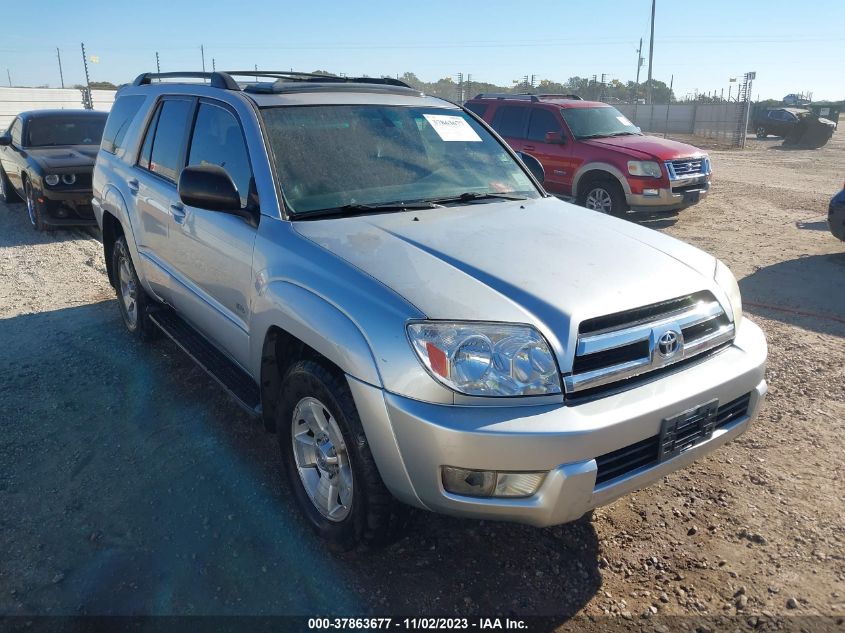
(594, 155)
(379, 277)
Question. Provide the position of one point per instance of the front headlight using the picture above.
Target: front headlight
(486, 359)
(51, 179)
(644, 168)
(727, 282)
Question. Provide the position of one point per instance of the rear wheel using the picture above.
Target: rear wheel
(603, 195)
(133, 300)
(761, 132)
(7, 192)
(327, 459)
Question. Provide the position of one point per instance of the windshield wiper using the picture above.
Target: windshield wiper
(360, 208)
(469, 196)
(623, 134)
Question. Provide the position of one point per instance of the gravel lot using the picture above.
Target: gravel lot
(130, 485)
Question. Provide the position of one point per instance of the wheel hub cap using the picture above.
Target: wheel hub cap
(128, 291)
(322, 460)
(599, 200)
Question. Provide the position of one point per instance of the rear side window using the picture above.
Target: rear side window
(169, 141)
(218, 140)
(479, 108)
(542, 121)
(510, 121)
(120, 118)
(16, 132)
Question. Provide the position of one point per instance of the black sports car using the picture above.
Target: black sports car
(46, 159)
(797, 126)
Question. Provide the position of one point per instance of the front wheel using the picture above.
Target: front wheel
(604, 196)
(327, 459)
(761, 132)
(33, 208)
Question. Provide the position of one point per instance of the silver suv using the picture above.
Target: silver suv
(380, 279)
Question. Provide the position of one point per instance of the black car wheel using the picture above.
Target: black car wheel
(7, 192)
(33, 208)
(603, 195)
(761, 132)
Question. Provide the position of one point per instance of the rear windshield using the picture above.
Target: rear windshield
(65, 130)
(330, 156)
(597, 122)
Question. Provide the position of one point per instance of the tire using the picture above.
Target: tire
(761, 132)
(603, 195)
(133, 301)
(317, 413)
(7, 192)
(33, 209)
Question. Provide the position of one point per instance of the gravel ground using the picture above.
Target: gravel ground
(130, 485)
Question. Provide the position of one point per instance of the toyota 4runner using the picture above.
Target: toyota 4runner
(376, 275)
(594, 155)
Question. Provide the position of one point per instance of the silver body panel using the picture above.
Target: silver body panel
(347, 288)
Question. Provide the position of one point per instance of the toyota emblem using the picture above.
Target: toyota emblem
(668, 344)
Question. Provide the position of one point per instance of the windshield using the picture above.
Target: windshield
(332, 157)
(597, 122)
(46, 131)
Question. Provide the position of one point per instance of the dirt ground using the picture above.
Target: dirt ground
(129, 484)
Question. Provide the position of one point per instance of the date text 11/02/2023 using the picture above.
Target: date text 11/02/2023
(421, 623)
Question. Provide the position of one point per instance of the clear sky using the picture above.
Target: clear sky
(793, 47)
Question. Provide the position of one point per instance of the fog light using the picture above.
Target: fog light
(488, 483)
(61, 212)
(651, 192)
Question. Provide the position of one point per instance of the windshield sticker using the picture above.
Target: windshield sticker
(452, 128)
(624, 121)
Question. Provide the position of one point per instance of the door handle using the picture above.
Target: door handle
(177, 210)
(529, 147)
(133, 185)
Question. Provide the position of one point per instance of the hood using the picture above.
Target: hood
(544, 262)
(66, 157)
(647, 147)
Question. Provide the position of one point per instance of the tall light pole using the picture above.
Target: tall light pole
(88, 100)
(61, 74)
(158, 65)
(651, 54)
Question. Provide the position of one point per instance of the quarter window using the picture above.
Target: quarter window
(542, 121)
(509, 121)
(120, 117)
(479, 108)
(218, 140)
(16, 132)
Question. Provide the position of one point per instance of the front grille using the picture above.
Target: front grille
(615, 348)
(646, 452)
(686, 167)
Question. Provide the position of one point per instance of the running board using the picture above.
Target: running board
(232, 378)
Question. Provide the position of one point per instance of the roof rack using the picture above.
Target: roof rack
(560, 96)
(506, 95)
(226, 81)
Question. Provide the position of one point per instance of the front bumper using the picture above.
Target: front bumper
(680, 195)
(412, 440)
(67, 207)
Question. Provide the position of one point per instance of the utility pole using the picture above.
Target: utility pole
(9, 77)
(460, 87)
(533, 81)
(666, 127)
(202, 53)
(256, 70)
(158, 65)
(468, 84)
(651, 54)
(61, 74)
(87, 102)
(213, 65)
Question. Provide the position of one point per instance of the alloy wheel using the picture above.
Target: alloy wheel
(128, 291)
(30, 205)
(322, 459)
(599, 199)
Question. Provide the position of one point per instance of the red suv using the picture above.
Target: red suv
(593, 154)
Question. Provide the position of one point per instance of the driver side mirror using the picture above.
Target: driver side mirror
(5, 140)
(533, 166)
(208, 187)
(555, 138)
